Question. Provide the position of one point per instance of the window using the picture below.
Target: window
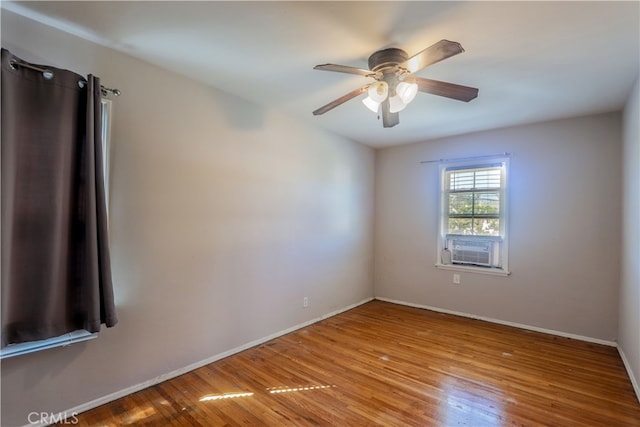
(81, 335)
(473, 219)
(106, 138)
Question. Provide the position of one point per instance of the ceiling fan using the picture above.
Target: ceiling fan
(395, 86)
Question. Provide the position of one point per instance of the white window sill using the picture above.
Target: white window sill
(62, 341)
(471, 269)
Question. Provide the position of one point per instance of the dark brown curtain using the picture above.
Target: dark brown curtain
(56, 275)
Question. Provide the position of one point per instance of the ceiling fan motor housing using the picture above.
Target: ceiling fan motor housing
(385, 61)
(387, 58)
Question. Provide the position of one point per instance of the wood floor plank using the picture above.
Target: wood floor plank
(390, 365)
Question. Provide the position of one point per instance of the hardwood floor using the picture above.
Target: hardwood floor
(390, 365)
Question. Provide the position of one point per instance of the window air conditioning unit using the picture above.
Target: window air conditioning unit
(472, 251)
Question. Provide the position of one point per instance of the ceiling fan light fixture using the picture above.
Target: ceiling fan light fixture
(378, 91)
(407, 91)
(396, 104)
(371, 104)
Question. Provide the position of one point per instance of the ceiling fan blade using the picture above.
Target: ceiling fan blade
(345, 69)
(344, 98)
(435, 53)
(389, 119)
(448, 90)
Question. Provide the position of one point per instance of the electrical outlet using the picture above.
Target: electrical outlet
(456, 279)
(305, 302)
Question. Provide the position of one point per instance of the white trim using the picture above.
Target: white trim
(630, 373)
(627, 366)
(504, 322)
(164, 377)
(107, 118)
(13, 350)
(141, 386)
(479, 270)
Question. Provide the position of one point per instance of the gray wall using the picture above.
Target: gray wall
(565, 209)
(224, 215)
(629, 335)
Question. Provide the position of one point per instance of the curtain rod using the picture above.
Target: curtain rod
(459, 159)
(48, 74)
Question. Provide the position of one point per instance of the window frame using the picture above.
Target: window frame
(443, 215)
(106, 115)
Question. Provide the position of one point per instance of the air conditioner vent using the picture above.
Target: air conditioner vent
(471, 251)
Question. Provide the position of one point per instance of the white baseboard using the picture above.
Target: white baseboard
(503, 322)
(627, 366)
(630, 372)
(164, 377)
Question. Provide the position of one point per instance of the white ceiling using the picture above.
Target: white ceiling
(532, 61)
